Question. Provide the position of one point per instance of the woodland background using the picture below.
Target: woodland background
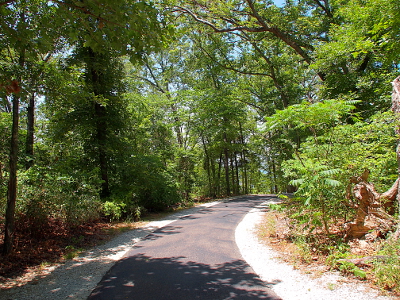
(111, 109)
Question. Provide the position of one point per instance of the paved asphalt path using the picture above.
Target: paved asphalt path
(195, 257)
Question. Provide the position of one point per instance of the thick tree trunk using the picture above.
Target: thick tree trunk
(12, 183)
(396, 110)
(101, 141)
(96, 80)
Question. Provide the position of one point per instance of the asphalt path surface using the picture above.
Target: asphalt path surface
(195, 257)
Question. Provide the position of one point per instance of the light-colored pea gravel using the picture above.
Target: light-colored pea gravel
(76, 278)
(287, 282)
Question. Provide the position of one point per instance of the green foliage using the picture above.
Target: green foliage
(277, 207)
(191, 121)
(152, 186)
(313, 116)
(113, 210)
(323, 164)
(72, 252)
(361, 49)
(350, 268)
(46, 193)
(387, 272)
(144, 184)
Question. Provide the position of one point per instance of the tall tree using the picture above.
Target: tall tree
(130, 28)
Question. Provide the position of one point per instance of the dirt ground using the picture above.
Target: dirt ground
(52, 243)
(311, 254)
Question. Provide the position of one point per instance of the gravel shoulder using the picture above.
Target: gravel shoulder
(76, 278)
(287, 282)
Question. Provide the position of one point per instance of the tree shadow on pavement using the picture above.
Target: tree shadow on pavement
(143, 277)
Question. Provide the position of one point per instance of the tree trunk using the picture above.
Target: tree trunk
(370, 215)
(93, 64)
(232, 174)
(244, 178)
(244, 162)
(30, 134)
(12, 183)
(226, 166)
(396, 110)
(237, 174)
(207, 166)
(101, 140)
(13, 180)
(218, 178)
(274, 176)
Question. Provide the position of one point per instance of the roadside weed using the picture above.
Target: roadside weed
(387, 272)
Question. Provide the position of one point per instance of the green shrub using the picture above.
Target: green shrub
(146, 184)
(44, 193)
(113, 210)
(387, 272)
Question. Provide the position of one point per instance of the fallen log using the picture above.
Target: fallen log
(365, 261)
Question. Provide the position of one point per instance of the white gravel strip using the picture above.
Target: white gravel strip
(76, 278)
(286, 282)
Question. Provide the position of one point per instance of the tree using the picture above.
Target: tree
(129, 28)
(18, 24)
(258, 18)
(396, 110)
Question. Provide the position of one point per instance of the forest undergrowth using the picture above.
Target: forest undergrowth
(374, 261)
(57, 242)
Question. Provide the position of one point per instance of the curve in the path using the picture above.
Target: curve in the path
(195, 257)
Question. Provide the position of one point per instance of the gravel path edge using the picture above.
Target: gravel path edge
(287, 282)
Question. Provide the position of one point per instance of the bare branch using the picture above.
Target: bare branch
(215, 28)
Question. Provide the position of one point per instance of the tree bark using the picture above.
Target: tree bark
(30, 134)
(93, 64)
(237, 174)
(369, 204)
(12, 183)
(226, 165)
(13, 165)
(396, 110)
(207, 166)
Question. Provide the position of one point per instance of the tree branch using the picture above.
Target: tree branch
(215, 28)
(325, 8)
(87, 12)
(279, 34)
(6, 2)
